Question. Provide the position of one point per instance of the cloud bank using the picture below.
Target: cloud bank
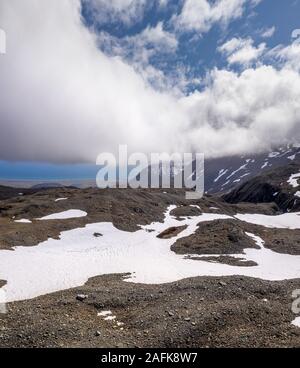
(64, 100)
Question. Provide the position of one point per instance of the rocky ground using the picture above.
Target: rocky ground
(271, 186)
(228, 237)
(198, 312)
(125, 208)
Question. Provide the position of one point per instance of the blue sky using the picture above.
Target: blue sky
(45, 171)
(220, 77)
(197, 52)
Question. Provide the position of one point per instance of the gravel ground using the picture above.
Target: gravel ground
(198, 312)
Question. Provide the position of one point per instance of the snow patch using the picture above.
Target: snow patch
(64, 215)
(110, 318)
(221, 173)
(273, 154)
(293, 180)
(24, 221)
(227, 182)
(243, 167)
(285, 221)
(257, 239)
(104, 313)
(296, 322)
(244, 175)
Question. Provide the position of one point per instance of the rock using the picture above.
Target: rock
(171, 232)
(187, 319)
(81, 297)
(171, 314)
(222, 283)
(97, 235)
(233, 236)
(97, 333)
(138, 210)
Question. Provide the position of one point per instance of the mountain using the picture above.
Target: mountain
(280, 185)
(9, 192)
(47, 186)
(224, 174)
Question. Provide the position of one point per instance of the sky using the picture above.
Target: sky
(80, 77)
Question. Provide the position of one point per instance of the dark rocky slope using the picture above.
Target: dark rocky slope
(272, 186)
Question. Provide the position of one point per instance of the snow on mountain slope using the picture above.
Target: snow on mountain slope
(280, 185)
(224, 174)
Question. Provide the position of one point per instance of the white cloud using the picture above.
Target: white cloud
(269, 32)
(232, 45)
(163, 3)
(201, 15)
(64, 100)
(126, 11)
(156, 37)
(245, 113)
(151, 39)
(288, 56)
(140, 48)
(242, 51)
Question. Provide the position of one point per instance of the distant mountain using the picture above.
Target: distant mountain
(9, 192)
(47, 186)
(280, 185)
(224, 174)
